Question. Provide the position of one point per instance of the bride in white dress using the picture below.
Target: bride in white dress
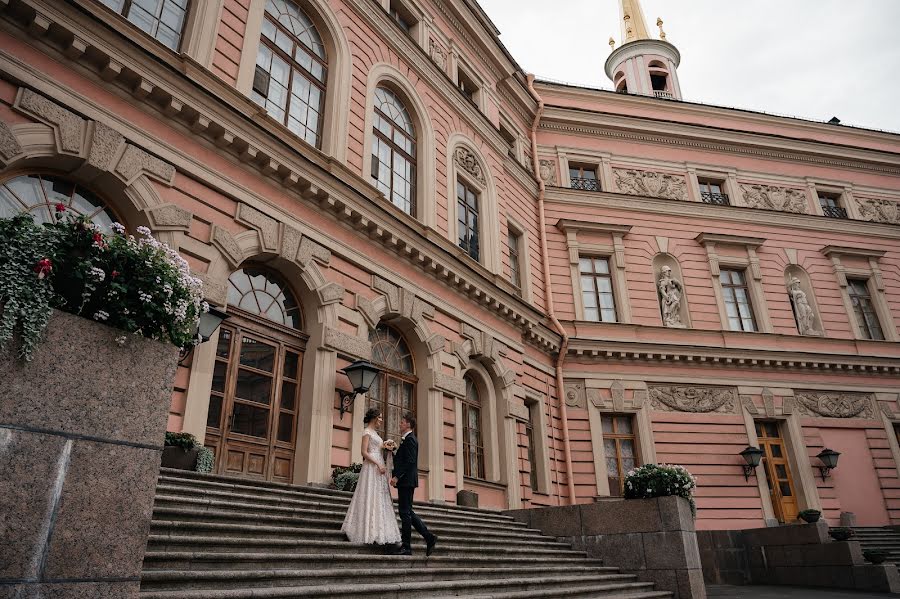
(370, 517)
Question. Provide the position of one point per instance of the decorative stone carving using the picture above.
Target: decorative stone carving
(227, 244)
(670, 290)
(105, 144)
(467, 160)
(617, 391)
(835, 404)
(9, 145)
(748, 405)
(265, 225)
(170, 217)
(451, 385)
(685, 398)
(349, 345)
(575, 396)
(651, 184)
(136, 161)
(330, 293)
(214, 290)
(308, 250)
(768, 402)
(438, 54)
(69, 126)
(770, 197)
(879, 211)
(802, 310)
(290, 242)
(548, 172)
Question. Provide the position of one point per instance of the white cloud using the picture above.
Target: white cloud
(809, 58)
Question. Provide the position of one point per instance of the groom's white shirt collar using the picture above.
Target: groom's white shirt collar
(403, 437)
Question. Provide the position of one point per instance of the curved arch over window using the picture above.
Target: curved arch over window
(39, 194)
(473, 443)
(394, 151)
(394, 391)
(291, 70)
(260, 292)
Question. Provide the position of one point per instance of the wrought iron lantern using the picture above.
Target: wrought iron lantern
(361, 374)
(829, 459)
(206, 328)
(752, 456)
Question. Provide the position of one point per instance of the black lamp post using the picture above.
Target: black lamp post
(206, 328)
(752, 456)
(829, 459)
(362, 374)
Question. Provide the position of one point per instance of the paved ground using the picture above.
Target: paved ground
(763, 592)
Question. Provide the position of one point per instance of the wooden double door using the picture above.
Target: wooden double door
(778, 471)
(254, 400)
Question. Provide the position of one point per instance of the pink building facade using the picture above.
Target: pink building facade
(560, 282)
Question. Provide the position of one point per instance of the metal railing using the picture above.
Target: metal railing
(661, 93)
(834, 211)
(584, 184)
(711, 197)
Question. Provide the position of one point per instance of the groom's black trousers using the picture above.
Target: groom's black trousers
(408, 518)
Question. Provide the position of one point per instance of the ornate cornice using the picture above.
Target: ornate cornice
(203, 106)
(736, 214)
(839, 250)
(688, 135)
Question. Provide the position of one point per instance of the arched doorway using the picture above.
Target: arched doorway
(394, 391)
(255, 394)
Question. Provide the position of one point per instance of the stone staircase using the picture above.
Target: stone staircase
(885, 538)
(216, 537)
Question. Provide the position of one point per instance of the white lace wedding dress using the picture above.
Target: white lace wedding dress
(370, 517)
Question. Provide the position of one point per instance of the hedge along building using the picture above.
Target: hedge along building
(560, 282)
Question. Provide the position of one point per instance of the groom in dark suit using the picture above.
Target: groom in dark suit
(406, 479)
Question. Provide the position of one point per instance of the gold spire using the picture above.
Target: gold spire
(659, 23)
(634, 26)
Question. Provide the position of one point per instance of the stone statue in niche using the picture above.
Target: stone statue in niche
(802, 310)
(670, 291)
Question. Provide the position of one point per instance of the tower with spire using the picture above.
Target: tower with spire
(642, 64)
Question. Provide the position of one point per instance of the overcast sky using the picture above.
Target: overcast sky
(809, 58)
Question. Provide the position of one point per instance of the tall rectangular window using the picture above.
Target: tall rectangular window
(737, 300)
(161, 19)
(513, 241)
(466, 85)
(532, 454)
(620, 447)
(402, 16)
(473, 445)
(467, 219)
(597, 289)
(866, 317)
(583, 177)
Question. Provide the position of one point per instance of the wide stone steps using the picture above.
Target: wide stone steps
(885, 539)
(215, 537)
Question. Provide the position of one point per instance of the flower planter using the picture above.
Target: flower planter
(182, 459)
(810, 517)
(840, 534)
(85, 420)
(875, 556)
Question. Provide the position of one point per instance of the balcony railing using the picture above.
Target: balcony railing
(834, 211)
(584, 184)
(661, 93)
(711, 197)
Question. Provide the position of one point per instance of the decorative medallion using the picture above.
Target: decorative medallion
(649, 183)
(769, 197)
(548, 173)
(438, 54)
(835, 404)
(575, 396)
(466, 159)
(879, 211)
(685, 398)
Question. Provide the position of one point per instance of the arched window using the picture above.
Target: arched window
(260, 292)
(473, 444)
(39, 195)
(291, 70)
(394, 390)
(394, 151)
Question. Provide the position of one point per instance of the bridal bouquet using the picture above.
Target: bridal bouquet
(390, 445)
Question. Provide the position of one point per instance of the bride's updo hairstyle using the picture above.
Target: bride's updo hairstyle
(371, 415)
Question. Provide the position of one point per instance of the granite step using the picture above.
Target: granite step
(598, 585)
(212, 560)
(161, 580)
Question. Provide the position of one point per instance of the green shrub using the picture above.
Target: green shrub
(660, 480)
(138, 285)
(185, 441)
(205, 460)
(345, 478)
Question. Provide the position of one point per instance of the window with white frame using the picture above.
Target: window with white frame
(163, 20)
(394, 151)
(738, 305)
(859, 275)
(467, 216)
(864, 310)
(597, 289)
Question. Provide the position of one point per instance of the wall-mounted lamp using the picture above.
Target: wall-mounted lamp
(751, 455)
(361, 374)
(829, 459)
(206, 328)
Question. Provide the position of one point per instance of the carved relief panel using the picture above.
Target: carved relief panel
(835, 404)
(693, 398)
(879, 211)
(770, 197)
(651, 184)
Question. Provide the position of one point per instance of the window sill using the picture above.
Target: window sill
(484, 483)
